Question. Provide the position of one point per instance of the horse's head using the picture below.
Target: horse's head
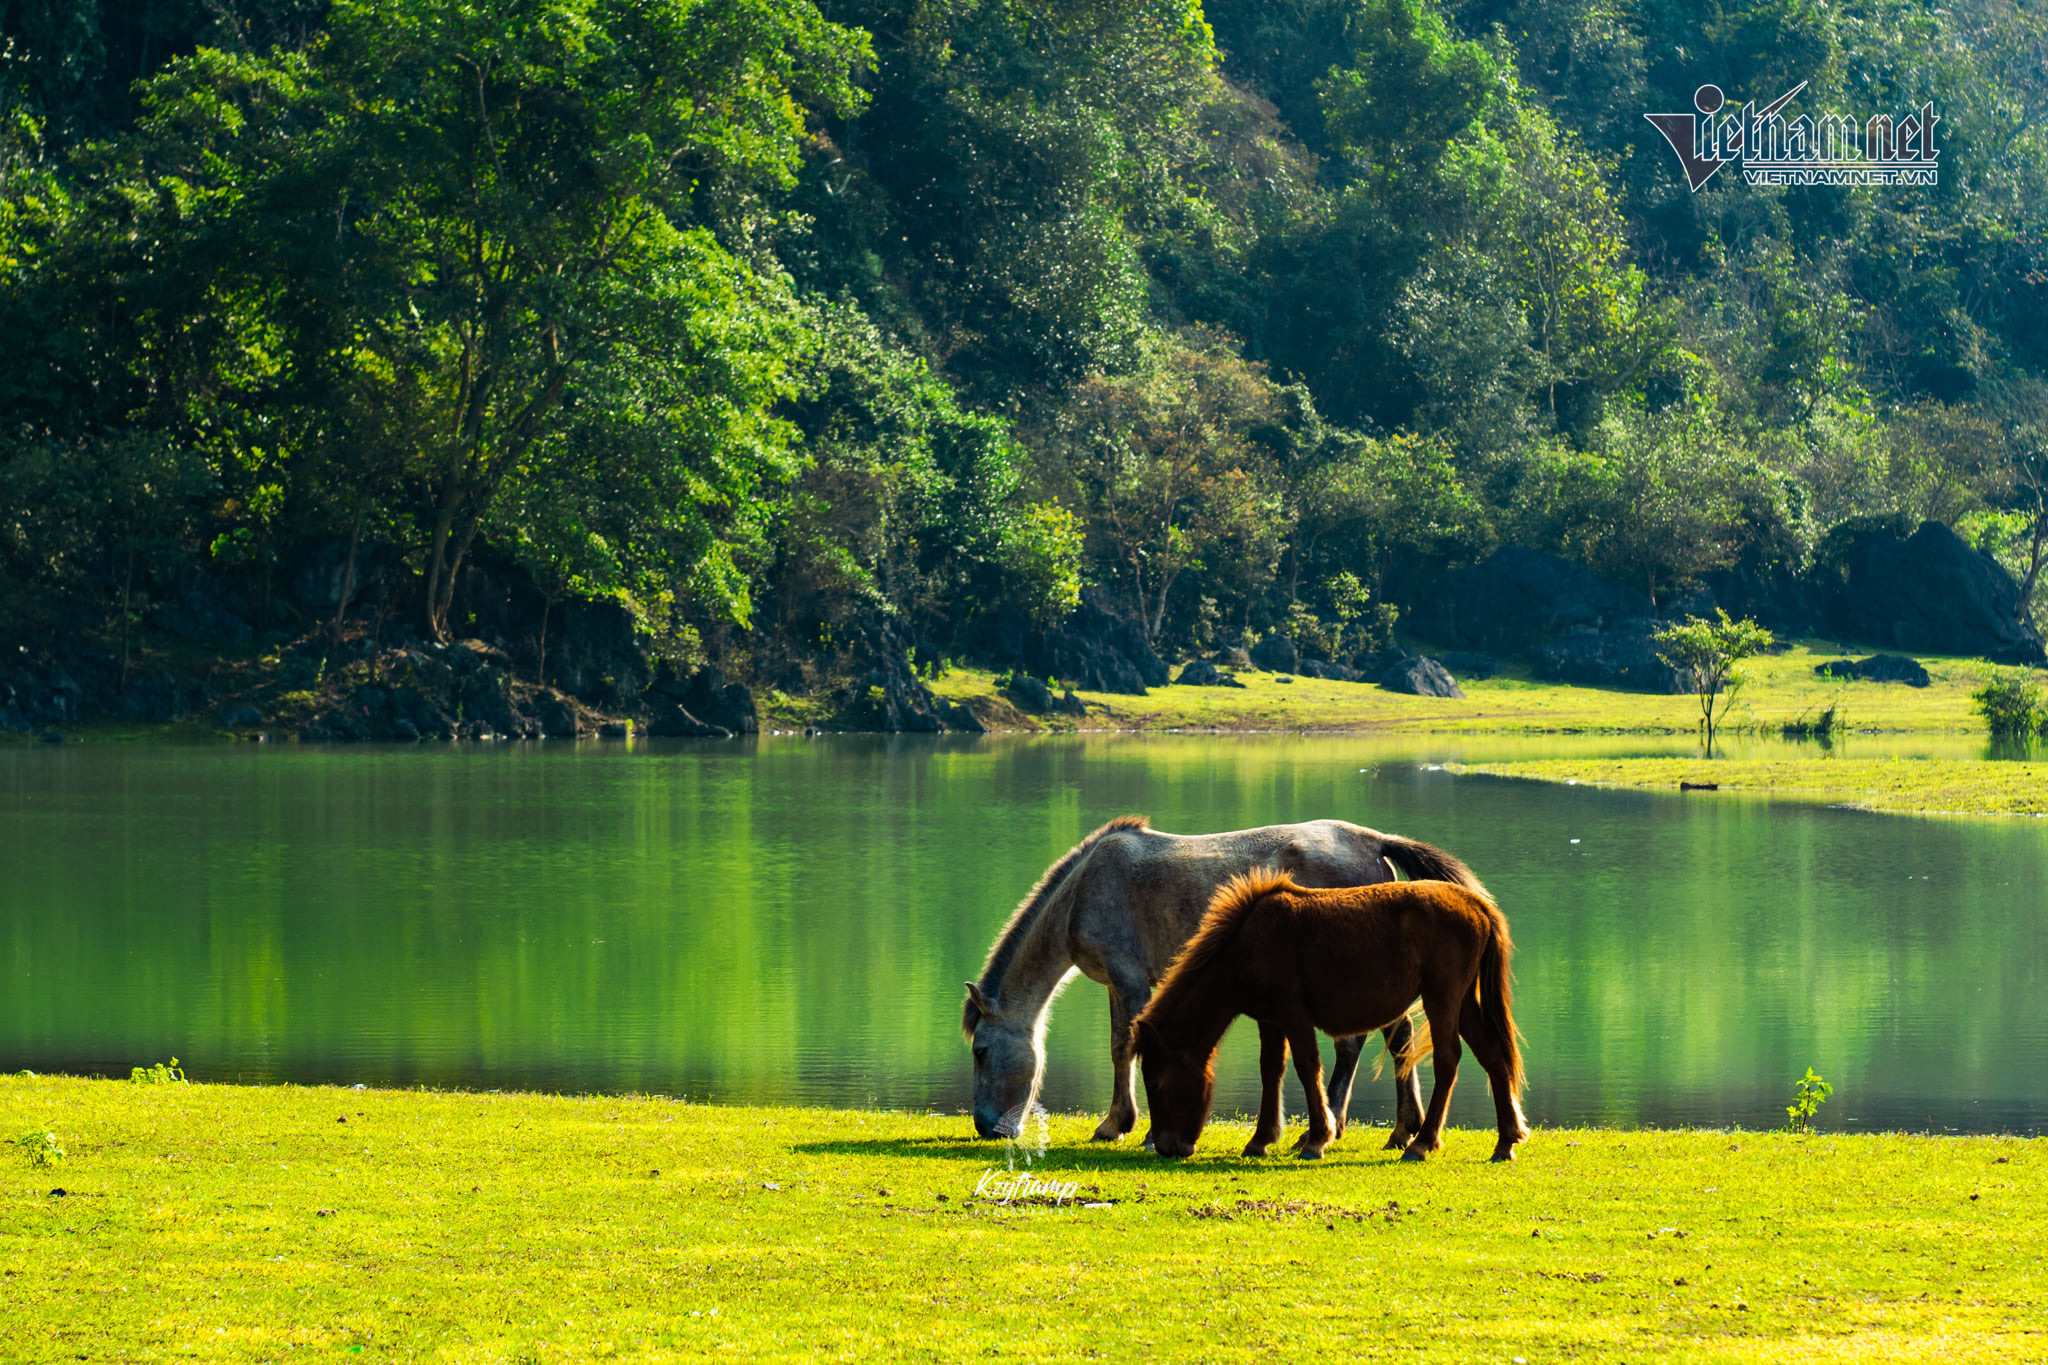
(1180, 1089)
(1009, 1059)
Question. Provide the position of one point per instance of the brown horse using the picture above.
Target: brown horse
(1344, 961)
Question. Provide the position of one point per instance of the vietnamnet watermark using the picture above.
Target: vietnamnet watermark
(1775, 150)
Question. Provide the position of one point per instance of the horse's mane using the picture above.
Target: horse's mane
(1004, 949)
(1221, 921)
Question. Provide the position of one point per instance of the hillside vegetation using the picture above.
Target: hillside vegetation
(806, 334)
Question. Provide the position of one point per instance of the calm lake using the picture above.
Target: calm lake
(790, 920)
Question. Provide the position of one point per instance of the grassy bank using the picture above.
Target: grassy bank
(1904, 786)
(226, 1223)
(1782, 689)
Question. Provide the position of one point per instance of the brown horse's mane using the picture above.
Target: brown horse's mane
(1026, 914)
(1220, 923)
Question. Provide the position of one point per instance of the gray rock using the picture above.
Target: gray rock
(1466, 664)
(1931, 593)
(401, 728)
(1876, 668)
(1030, 693)
(1202, 673)
(239, 717)
(1320, 668)
(1420, 677)
(1275, 654)
(1623, 658)
(557, 721)
(1514, 599)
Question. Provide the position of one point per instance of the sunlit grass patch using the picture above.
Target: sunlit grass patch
(252, 1224)
(1904, 785)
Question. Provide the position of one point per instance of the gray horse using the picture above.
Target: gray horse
(1117, 908)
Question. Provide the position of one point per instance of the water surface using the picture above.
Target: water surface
(790, 920)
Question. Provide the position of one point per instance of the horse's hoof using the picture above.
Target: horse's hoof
(1311, 1155)
(1415, 1154)
(1507, 1155)
(1394, 1141)
(1254, 1149)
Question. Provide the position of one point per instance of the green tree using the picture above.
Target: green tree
(502, 226)
(1708, 652)
(1164, 461)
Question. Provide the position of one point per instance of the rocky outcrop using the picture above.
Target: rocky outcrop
(701, 706)
(1876, 668)
(1202, 673)
(1466, 664)
(1622, 658)
(1515, 599)
(1931, 593)
(1099, 651)
(1420, 677)
(1032, 695)
(1322, 668)
(1276, 653)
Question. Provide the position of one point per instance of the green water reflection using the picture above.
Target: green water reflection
(790, 920)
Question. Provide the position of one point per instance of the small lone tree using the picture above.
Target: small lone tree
(1708, 652)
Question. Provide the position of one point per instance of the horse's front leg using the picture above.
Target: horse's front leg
(1126, 1001)
(1407, 1090)
(1308, 1064)
(1272, 1070)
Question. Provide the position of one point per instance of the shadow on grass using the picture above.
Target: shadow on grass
(1096, 1156)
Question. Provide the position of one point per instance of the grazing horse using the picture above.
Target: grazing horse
(1344, 961)
(1117, 908)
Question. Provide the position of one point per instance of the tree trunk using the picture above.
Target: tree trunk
(437, 570)
(540, 673)
(127, 595)
(348, 572)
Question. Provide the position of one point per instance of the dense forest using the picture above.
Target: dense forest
(788, 328)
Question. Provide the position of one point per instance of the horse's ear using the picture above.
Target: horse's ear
(981, 1004)
(1139, 1030)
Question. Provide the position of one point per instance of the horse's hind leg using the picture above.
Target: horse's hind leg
(1443, 1019)
(1124, 1006)
(1341, 1076)
(1308, 1064)
(1407, 1090)
(1486, 1049)
(1272, 1070)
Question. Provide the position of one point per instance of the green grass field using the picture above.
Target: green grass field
(1781, 688)
(226, 1223)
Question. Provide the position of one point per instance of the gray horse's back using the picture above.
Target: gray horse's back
(1141, 892)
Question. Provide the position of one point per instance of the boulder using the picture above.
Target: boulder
(1623, 658)
(1276, 653)
(1515, 599)
(1202, 673)
(1320, 668)
(1099, 651)
(1029, 693)
(1876, 668)
(1421, 677)
(1466, 664)
(1931, 593)
(241, 717)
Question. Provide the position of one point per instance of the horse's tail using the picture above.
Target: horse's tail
(1426, 862)
(1496, 996)
(983, 993)
(1420, 1045)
